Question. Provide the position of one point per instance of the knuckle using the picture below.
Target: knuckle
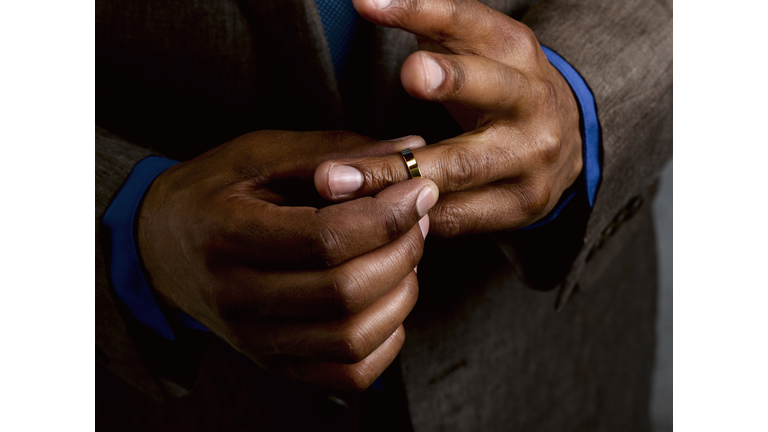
(509, 80)
(406, 10)
(546, 93)
(457, 77)
(439, 20)
(507, 33)
(409, 249)
(464, 167)
(448, 220)
(534, 199)
(345, 298)
(550, 147)
(452, 18)
(529, 37)
(326, 245)
(515, 37)
(413, 248)
(526, 40)
(394, 221)
(359, 378)
(379, 175)
(351, 346)
(412, 289)
(410, 7)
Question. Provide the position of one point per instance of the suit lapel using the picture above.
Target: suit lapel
(295, 29)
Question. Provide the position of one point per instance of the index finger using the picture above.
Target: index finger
(464, 162)
(462, 27)
(272, 237)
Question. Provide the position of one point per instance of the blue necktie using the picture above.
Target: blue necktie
(339, 24)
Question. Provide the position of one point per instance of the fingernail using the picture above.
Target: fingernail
(382, 4)
(398, 139)
(434, 72)
(424, 225)
(426, 200)
(415, 269)
(343, 179)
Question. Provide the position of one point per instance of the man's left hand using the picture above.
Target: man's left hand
(522, 146)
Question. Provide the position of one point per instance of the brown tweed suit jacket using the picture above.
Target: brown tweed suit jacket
(486, 348)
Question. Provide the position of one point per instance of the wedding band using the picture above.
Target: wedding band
(410, 161)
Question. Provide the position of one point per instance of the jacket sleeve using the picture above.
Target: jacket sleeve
(115, 350)
(129, 349)
(623, 50)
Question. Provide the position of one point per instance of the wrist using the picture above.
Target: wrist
(126, 273)
(589, 127)
(149, 234)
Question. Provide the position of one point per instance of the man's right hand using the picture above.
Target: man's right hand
(315, 294)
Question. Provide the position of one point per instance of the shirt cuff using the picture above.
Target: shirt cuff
(590, 138)
(127, 276)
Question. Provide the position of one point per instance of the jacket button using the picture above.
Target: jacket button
(599, 244)
(591, 253)
(611, 229)
(623, 215)
(634, 206)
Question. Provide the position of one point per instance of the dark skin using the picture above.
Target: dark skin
(317, 293)
(522, 146)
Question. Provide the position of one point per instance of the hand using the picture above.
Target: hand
(315, 294)
(522, 146)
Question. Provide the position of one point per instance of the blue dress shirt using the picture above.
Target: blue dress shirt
(340, 21)
(126, 273)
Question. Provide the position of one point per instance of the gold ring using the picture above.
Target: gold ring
(410, 161)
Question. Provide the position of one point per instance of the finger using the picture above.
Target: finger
(354, 377)
(301, 152)
(335, 293)
(272, 237)
(345, 341)
(473, 81)
(462, 27)
(491, 208)
(333, 144)
(465, 162)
